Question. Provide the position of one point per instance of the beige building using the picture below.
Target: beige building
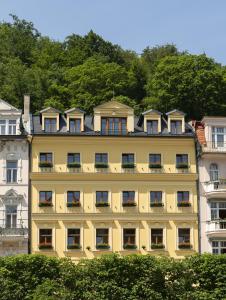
(113, 182)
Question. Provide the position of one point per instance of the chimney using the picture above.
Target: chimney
(26, 107)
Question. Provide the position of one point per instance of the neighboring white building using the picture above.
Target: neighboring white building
(14, 178)
(211, 134)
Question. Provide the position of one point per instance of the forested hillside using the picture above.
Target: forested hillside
(84, 71)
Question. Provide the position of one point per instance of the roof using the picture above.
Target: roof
(88, 128)
(152, 111)
(175, 111)
(200, 132)
(74, 109)
(50, 109)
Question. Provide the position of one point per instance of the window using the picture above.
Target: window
(183, 199)
(2, 127)
(218, 137)
(12, 127)
(128, 160)
(101, 160)
(73, 238)
(214, 172)
(102, 198)
(45, 238)
(181, 161)
(157, 238)
(75, 125)
(155, 160)
(73, 160)
(45, 198)
(156, 198)
(11, 216)
(176, 127)
(102, 238)
(129, 238)
(218, 212)
(11, 171)
(218, 247)
(50, 124)
(128, 198)
(184, 238)
(45, 160)
(73, 198)
(152, 126)
(113, 126)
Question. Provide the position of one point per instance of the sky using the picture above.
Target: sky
(198, 26)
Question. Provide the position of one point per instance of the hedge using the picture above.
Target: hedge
(132, 277)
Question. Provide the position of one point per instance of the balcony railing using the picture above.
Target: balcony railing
(216, 225)
(113, 132)
(211, 186)
(212, 146)
(13, 231)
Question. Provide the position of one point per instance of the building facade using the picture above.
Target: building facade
(14, 174)
(113, 182)
(211, 134)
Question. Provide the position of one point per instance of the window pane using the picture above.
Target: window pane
(156, 235)
(102, 196)
(129, 236)
(155, 158)
(156, 196)
(73, 158)
(73, 196)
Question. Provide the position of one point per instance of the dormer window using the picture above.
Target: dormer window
(12, 126)
(75, 125)
(176, 126)
(152, 126)
(113, 126)
(50, 124)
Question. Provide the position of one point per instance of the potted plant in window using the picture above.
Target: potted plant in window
(129, 203)
(45, 203)
(74, 246)
(74, 204)
(182, 165)
(101, 165)
(185, 203)
(128, 165)
(155, 166)
(129, 246)
(45, 164)
(74, 165)
(156, 203)
(43, 246)
(103, 246)
(157, 246)
(102, 203)
(184, 245)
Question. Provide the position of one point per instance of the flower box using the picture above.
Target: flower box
(130, 246)
(155, 166)
(45, 164)
(74, 165)
(102, 246)
(184, 246)
(45, 246)
(128, 165)
(102, 204)
(101, 165)
(74, 246)
(184, 204)
(45, 204)
(73, 204)
(129, 203)
(182, 166)
(157, 246)
(156, 204)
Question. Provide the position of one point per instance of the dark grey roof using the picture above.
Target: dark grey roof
(88, 128)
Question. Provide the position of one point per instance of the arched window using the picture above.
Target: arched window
(214, 172)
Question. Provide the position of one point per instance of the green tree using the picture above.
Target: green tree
(194, 84)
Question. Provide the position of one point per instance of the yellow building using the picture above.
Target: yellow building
(113, 183)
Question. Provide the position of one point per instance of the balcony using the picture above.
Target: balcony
(216, 228)
(214, 147)
(215, 188)
(8, 233)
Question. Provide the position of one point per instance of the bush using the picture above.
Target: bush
(132, 277)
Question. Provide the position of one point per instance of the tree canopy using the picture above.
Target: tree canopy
(87, 70)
